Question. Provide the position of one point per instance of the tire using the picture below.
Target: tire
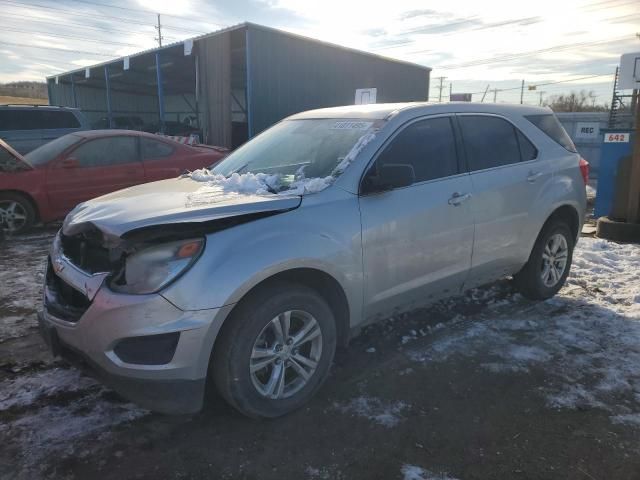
(12, 207)
(529, 281)
(251, 331)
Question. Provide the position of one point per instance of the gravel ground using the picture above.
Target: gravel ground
(485, 386)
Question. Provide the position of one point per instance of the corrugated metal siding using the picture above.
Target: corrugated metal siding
(214, 71)
(291, 74)
(588, 148)
(93, 102)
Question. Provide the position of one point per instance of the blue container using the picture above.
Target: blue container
(616, 144)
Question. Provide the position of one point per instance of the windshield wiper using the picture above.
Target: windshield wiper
(270, 189)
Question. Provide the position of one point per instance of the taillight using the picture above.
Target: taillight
(584, 170)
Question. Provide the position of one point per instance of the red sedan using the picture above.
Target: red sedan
(49, 181)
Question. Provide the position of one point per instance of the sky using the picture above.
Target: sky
(491, 44)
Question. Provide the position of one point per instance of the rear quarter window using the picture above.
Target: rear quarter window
(552, 127)
(155, 149)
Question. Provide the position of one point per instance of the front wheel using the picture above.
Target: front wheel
(549, 263)
(276, 351)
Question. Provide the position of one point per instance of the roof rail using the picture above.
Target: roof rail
(28, 105)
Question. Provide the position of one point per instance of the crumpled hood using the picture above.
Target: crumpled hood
(173, 201)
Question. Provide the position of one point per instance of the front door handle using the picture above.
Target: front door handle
(459, 198)
(533, 176)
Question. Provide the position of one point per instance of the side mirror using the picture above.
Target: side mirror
(70, 163)
(389, 176)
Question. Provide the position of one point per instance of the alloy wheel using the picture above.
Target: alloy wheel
(554, 260)
(286, 354)
(13, 215)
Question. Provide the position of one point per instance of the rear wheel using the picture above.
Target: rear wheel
(549, 263)
(276, 350)
(17, 214)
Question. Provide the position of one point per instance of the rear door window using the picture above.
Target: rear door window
(152, 149)
(102, 152)
(489, 141)
(428, 146)
(550, 125)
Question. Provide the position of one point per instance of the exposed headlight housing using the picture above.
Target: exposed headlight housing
(153, 268)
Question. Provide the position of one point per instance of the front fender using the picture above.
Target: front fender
(321, 235)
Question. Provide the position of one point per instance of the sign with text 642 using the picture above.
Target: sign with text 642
(616, 138)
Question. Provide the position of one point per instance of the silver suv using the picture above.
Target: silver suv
(250, 274)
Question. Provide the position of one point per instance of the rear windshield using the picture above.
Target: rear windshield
(51, 150)
(550, 125)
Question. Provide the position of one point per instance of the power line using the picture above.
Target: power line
(543, 84)
(61, 35)
(69, 23)
(83, 52)
(73, 13)
(121, 19)
(139, 10)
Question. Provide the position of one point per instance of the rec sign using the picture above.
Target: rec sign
(585, 130)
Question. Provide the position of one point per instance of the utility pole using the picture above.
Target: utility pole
(485, 93)
(440, 88)
(450, 90)
(522, 92)
(495, 95)
(541, 98)
(159, 29)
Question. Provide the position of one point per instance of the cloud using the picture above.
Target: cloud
(424, 12)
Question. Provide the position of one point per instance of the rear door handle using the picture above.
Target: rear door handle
(459, 198)
(533, 176)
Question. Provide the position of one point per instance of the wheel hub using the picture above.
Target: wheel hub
(286, 354)
(554, 260)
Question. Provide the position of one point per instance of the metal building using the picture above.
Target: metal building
(233, 83)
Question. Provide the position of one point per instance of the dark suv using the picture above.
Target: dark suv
(26, 127)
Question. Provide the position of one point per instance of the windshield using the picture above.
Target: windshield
(297, 153)
(51, 150)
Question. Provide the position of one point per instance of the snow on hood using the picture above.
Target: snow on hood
(168, 202)
(265, 184)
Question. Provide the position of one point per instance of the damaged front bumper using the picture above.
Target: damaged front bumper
(143, 346)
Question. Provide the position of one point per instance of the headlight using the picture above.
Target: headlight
(153, 268)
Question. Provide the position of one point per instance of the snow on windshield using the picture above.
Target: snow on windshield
(267, 184)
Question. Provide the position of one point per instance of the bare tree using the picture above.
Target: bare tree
(582, 101)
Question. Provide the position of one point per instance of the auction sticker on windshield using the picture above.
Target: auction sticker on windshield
(351, 125)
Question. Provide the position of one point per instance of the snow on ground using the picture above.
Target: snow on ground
(61, 430)
(25, 390)
(51, 413)
(21, 279)
(387, 414)
(587, 338)
(413, 472)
